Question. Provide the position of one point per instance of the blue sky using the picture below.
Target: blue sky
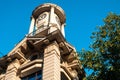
(82, 17)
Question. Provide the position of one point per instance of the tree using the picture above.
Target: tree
(104, 58)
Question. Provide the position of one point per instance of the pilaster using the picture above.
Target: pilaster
(11, 73)
(51, 66)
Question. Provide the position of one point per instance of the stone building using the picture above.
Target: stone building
(43, 54)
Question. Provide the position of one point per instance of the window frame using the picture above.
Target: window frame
(33, 76)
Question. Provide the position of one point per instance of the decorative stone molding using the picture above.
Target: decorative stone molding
(11, 73)
(30, 67)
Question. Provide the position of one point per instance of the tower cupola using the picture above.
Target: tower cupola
(47, 16)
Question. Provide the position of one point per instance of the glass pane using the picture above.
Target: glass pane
(25, 78)
(34, 76)
(39, 77)
(31, 77)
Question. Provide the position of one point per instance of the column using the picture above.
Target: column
(51, 65)
(32, 25)
(12, 69)
(52, 25)
(62, 29)
(52, 15)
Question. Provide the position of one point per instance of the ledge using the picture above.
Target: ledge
(30, 67)
(37, 61)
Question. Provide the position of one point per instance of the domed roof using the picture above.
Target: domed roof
(46, 8)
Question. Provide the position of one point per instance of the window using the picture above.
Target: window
(34, 76)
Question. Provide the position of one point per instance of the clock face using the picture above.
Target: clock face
(42, 16)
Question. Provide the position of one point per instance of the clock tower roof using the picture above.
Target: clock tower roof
(46, 7)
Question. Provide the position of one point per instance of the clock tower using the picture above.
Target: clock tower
(43, 54)
(48, 16)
